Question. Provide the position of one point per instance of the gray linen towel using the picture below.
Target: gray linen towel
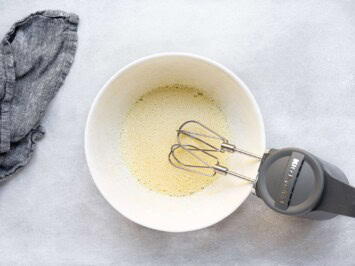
(35, 58)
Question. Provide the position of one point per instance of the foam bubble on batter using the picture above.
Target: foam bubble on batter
(149, 130)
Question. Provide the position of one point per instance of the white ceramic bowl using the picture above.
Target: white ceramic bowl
(121, 189)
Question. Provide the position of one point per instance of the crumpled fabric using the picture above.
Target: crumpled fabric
(35, 58)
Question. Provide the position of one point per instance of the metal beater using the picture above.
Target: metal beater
(205, 149)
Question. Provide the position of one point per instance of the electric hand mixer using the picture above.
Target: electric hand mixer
(290, 181)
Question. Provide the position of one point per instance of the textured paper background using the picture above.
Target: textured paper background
(298, 59)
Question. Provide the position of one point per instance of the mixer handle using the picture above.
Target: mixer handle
(295, 182)
(338, 195)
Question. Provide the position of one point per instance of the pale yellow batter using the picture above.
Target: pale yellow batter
(149, 130)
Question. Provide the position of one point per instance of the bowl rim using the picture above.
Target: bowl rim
(139, 61)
